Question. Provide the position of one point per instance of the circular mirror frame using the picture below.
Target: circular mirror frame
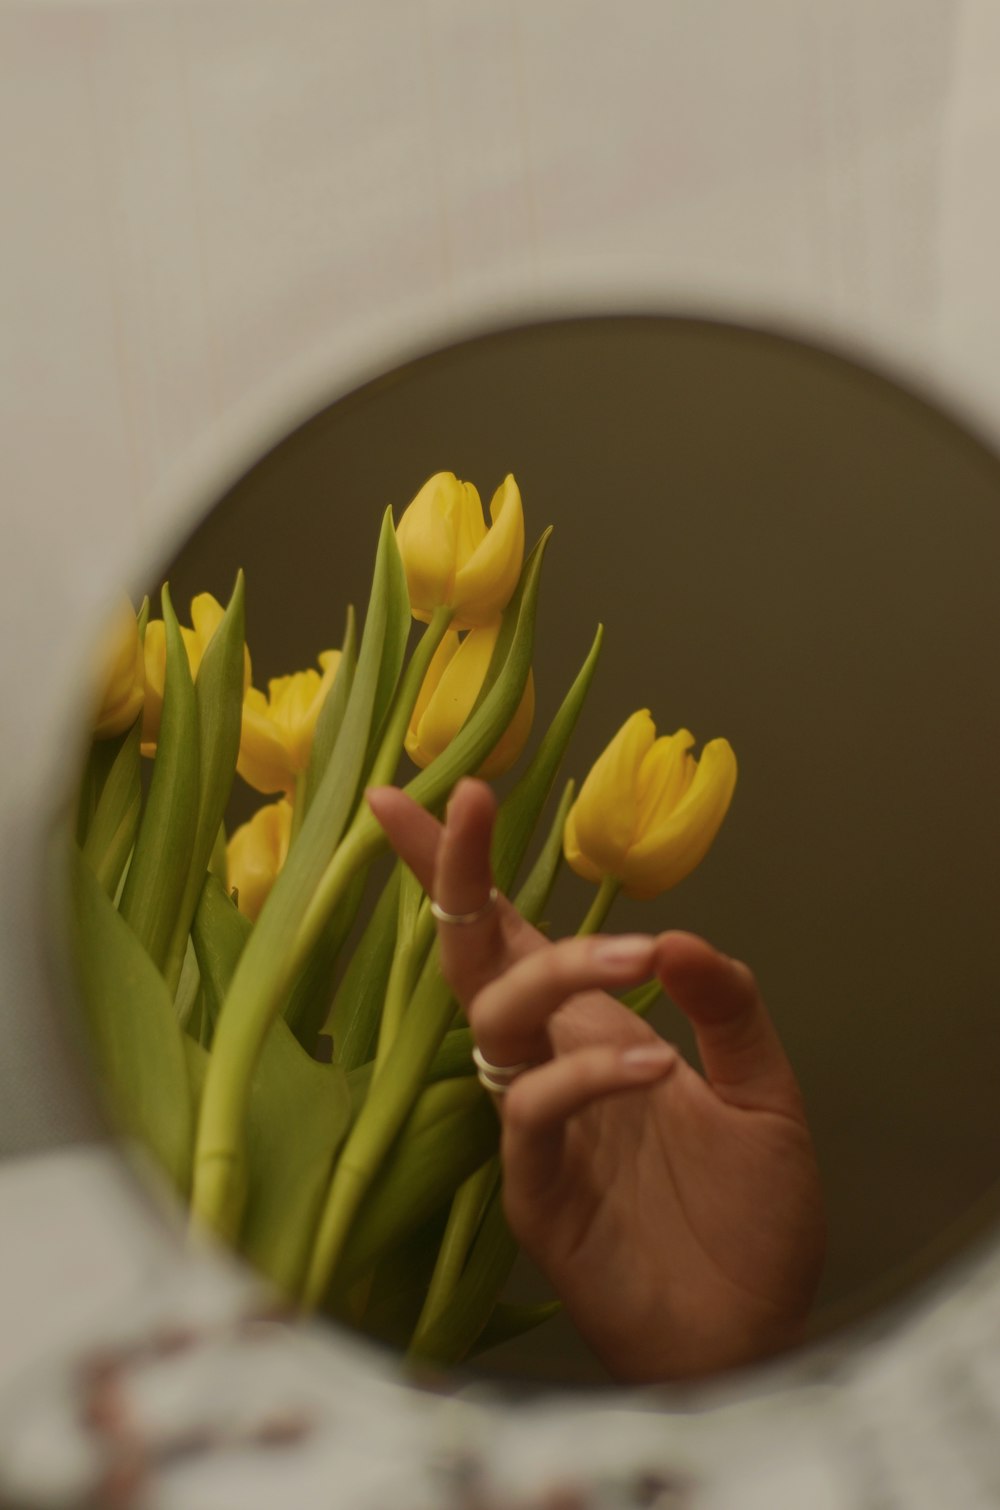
(832, 1423)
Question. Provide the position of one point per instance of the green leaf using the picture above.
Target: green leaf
(219, 934)
(328, 724)
(267, 965)
(310, 999)
(112, 831)
(397, 633)
(219, 703)
(449, 1339)
(508, 1321)
(460, 1229)
(354, 1016)
(137, 1040)
(399, 1286)
(298, 1116)
(278, 947)
(188, 993)
(161, 859)
(298, 1113)
(451, 1131)
(452, 1060)
(534, 894)
(218, 860)
(520, 811)
(100, 759)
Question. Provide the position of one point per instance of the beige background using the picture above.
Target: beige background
(216, 215)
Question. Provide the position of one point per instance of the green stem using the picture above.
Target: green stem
(219, 1175)
(411, 947)
(463, 1219)
(599, 907)
(219, 1190)
(378, 1123)
(383, 767)
(385, 763)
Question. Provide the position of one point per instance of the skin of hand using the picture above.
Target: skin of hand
(677, 1215)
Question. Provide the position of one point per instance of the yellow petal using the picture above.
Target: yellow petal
(679, 840)
(294, 709)
(309, 692)
(444, 653)
(427, 537)
(514, 738)
(575, 857)
(255, 854)
(451, 700)
(122, 676)
(606, 810)
(264, 761)
(470, 526)
(666, 773)
(484, 584)
(206, 616)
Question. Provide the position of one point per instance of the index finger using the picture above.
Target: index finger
(452, 863)
(471, 952)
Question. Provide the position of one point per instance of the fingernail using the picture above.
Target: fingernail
(628, 949)
(649, 1058)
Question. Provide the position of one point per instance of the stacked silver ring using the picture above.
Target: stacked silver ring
(496, 1078)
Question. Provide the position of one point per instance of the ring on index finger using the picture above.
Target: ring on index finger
(463, 919)
(496, 1078)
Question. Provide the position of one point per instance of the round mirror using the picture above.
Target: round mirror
(786, 550)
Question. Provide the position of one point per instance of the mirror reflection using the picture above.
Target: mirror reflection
(792, 559)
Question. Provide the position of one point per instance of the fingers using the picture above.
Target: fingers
(452, 863)
(413, 832)
(543, 1100)
(741, 1053)
(510, 1015)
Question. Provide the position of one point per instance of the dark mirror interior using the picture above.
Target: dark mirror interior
(786, 550)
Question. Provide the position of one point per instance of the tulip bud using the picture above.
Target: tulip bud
(648, 811)
(206, 616)
(453, 682)
(122, 674)
(255, 854)
(278, 729)
(452, 559)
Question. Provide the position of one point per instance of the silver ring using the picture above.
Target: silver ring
(463, 919)
(497, 1078)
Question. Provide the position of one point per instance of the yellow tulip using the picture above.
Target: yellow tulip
(278, 728)
(206, 616)
(450, 556)
(450, 688)
(648, 811)
(255, 854)
(122, 682)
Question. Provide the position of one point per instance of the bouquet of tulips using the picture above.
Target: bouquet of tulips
(362, 1178)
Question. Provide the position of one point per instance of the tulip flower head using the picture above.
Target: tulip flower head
(452, 559)
(255, 854)
(206, 616)
(648, 811)
(278, 728)
(123, 679)
(453, 682)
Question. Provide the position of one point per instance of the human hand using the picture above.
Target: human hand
(677, 1215)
